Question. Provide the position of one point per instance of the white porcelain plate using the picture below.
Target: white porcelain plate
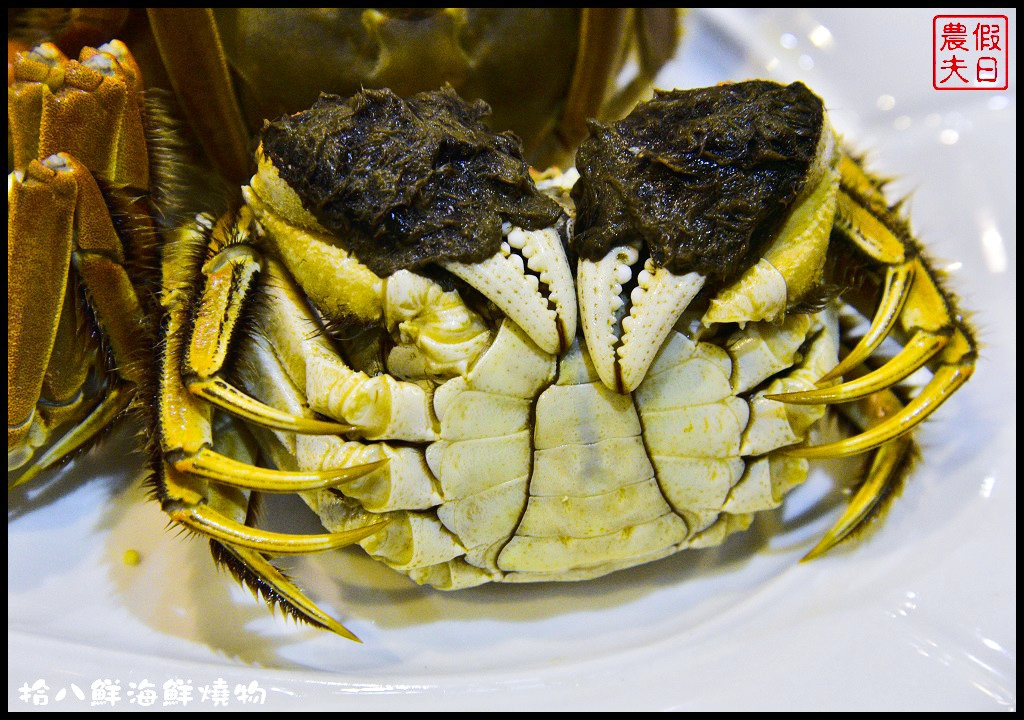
(921, 615)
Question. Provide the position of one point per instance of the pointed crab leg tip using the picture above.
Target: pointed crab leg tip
(234, 401)
(211, 464)
(26, 477)
(345, 633)
(818, 550)
(215, 525)
(884, 472)
(355, 472)
(116, 401)
(921, 348)
(899, 280)
(292, 599)
(944, 383)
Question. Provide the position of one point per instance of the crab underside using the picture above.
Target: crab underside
(393, 313)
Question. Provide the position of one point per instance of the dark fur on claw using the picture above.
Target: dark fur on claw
(404, 182)
(702, 177)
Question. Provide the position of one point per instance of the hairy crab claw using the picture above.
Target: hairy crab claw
(353, 196)
(350, 200)
(400, 184)
(729, 190)
(731, 195)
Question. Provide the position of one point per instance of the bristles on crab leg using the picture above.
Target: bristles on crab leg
(885, 469)
(277, 587)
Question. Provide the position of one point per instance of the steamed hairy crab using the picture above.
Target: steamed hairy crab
(394, 312)
(474, 439)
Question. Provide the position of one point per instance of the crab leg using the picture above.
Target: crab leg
(911, 296)
(377, 407)
(922, 347)
(209, 492)
(894, 294)
(84, 119)
(258, 572)
(33, 313)
(184, 421)
(59, 198)
(887, 469)
(116, 402)
(945, 382)
(217, 525)
(230, 277)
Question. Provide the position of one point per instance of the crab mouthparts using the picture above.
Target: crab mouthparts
(624, 338)
(530, 281)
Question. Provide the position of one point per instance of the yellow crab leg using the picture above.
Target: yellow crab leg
(922, 347)
(230, 276)
(898, 280)
(872, 228)
(253, 569)
(214, 524)
(885, 468)
(210, 464)
(912, 296)
(946, 381)
(184, 419)
(211, 508)
(227, 397)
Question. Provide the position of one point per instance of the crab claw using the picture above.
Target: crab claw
(702, 187)
(530, 281)
(658, 299)
(406, 183)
